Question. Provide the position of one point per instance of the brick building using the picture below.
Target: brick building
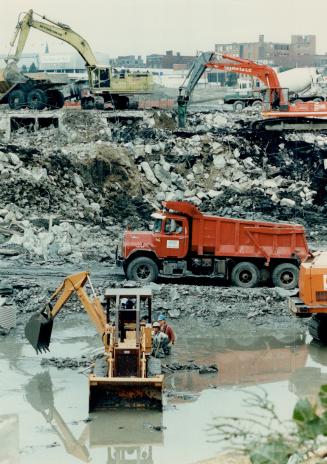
(169, 60)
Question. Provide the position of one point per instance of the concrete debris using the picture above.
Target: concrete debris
(68, 195)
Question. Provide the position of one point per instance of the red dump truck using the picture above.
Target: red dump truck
(185, 242)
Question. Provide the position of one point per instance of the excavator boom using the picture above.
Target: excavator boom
(56, 29)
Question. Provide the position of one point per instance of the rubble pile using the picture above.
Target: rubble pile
(67, 195)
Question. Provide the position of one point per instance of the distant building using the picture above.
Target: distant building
(129, 61)
(26, 61)
(301, 51)
(169, 60)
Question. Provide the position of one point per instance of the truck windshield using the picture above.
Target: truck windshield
(157, 225)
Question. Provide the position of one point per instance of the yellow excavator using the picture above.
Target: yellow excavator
(105, 84)
(126, 375)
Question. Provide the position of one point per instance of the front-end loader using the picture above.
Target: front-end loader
(124, 376)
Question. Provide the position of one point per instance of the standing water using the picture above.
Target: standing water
(44, 410)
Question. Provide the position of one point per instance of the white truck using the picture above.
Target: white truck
(304, 84)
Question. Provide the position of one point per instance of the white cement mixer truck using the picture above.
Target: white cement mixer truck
(304, 84)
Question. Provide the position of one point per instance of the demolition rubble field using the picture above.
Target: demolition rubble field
(68, 193)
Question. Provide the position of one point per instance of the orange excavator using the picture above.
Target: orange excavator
(311, 300)
(278, 113)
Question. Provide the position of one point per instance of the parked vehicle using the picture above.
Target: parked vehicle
(186, 242)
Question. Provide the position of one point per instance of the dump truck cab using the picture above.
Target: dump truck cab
(186, 242)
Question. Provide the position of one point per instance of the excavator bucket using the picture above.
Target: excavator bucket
(38, 331)
(112, 393)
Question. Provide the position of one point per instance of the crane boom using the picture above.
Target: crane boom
(56, 29)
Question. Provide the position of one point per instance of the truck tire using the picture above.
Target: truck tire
(257, 104)
(318, 99)
(87, 103)
(286, 276)
(318, 328)
(36, 99)
(238, 105)
(143, 270)
(55, 99)
(16, 99)
(99, 103)
(245, 274)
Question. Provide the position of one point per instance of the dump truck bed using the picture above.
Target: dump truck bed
(222, 236)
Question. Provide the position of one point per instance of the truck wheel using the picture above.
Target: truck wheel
(245, 274)
(36, 99)
(285, 275)
(143, 270)
(99, 103)
(317, 328)
(318, 99)
(87, 103)
(238, 105)
(298, 100)
(55, 99)
(121, 103)
(257, 105)
(16, 99)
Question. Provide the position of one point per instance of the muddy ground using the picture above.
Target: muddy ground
(67, 195)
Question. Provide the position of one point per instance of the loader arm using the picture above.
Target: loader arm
(39, 328)
(55, 29)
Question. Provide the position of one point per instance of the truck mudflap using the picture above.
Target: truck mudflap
(125, 392)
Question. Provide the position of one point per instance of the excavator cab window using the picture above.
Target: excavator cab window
(101, 77)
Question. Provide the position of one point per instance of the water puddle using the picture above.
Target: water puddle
(44, 410)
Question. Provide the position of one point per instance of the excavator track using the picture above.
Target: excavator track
(318, 327)
(299, 124)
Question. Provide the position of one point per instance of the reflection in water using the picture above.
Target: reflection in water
(306, 381)
(128, 435)
(283, 366)
(241, 361)
(9, 439)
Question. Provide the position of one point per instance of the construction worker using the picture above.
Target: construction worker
(160, 342)
(167, 330)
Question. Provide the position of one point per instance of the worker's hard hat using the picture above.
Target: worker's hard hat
(156, 324)
(162, 317)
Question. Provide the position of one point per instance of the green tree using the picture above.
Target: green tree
(32, 68)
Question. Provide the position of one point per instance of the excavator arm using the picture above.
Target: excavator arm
(185, 90)
(56, 29)
(237, 65)
(38, 329)
(233, 64)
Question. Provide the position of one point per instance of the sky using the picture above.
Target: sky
(141, 27)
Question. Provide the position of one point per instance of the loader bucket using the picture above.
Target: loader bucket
(112, 393)
(38, 332)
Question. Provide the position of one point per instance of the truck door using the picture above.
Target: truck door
(174, 240)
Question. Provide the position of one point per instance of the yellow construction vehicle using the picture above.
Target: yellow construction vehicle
(311, 300)
(123, 376)
(134, 445)
(105, 83)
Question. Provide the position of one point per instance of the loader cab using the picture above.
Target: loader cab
(171, 235)
(130, 311)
